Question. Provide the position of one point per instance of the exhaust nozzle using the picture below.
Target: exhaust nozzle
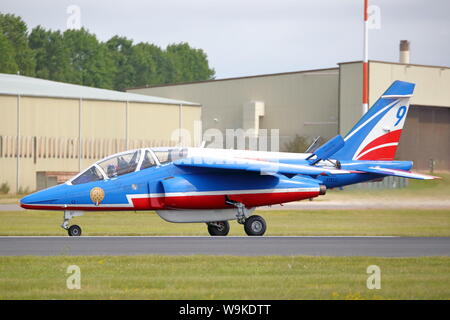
(323, 189)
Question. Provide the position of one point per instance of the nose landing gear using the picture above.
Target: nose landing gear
(75, 230)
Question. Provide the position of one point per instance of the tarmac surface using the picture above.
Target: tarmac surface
(239, 246)
(10, 207)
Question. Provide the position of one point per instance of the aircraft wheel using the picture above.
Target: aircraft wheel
(74, 231)
(255, 226)
(219, 228)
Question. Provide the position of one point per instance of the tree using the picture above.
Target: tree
(121, 49)
(92, 63)
(15, 31)
(7, 62)
(190, 64)
(52, 57)
(147, 61)
(76, 56)
(299, 144)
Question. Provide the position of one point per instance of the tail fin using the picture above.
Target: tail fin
(377, 133)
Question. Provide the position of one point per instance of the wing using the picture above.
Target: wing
(398, 173)
(255, 165)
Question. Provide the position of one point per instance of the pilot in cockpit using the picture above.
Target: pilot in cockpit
(111, 171)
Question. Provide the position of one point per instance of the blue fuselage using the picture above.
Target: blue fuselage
(171, 187)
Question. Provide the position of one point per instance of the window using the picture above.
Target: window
(91, 174)
(120, 164)
(176, 154)
(165, 156)
(148, 161)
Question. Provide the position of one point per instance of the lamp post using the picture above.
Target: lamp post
(365, 93)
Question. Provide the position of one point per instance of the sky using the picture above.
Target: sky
(250, 37)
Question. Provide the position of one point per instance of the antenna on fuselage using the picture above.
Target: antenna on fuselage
(314, 145)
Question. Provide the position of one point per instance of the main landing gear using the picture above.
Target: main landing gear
(253, 225)
(219, 228)
(75, 230)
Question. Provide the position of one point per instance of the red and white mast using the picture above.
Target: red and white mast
(365, 94)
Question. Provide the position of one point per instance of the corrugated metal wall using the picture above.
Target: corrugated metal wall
(42, 134)
(426, 138)
(386, 183)
(303, 103)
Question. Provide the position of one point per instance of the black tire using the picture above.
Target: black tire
(219, 228)
(255, 226)
(74, 231)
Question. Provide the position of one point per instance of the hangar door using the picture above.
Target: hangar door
(426, 138)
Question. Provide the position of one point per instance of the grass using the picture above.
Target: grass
(223, 277)
(228, 277)
(305, 222)
(437, 189)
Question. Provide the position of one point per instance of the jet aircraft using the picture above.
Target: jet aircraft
(213, 186)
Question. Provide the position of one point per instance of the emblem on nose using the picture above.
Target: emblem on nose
(97, 195)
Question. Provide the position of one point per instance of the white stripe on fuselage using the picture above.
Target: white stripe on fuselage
(245, 154)
(377, 147)
(221, 192)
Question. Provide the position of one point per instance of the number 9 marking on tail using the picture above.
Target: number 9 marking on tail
(400, 114)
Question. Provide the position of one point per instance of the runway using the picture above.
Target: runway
(239, 246)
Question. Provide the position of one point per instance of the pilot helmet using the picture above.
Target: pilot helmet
(111, 171)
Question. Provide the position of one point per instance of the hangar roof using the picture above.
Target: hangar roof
(318, 71)
(336, 69)
(12, 84)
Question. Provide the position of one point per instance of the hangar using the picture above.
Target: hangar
(51, 130)
(326, 102)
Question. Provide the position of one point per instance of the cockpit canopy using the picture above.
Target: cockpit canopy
(120, 164)
(127, 162)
